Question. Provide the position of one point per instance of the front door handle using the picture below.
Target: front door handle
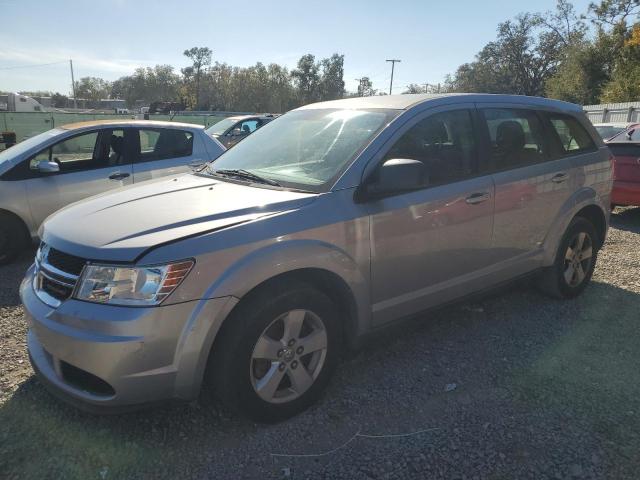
(476, 198)
(559, 178)
(118, 176)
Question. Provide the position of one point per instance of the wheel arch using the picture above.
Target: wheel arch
(594, 214)
(25, 229)
(584, 203)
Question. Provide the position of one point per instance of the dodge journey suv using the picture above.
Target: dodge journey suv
(328, 223)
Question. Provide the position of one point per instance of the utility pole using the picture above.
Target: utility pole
(393, 64)
(73, 86)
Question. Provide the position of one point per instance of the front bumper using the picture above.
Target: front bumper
(625, 193)
(111, 357)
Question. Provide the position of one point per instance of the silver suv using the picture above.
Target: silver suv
(330, 222)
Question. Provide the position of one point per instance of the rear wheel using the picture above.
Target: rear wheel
(278, 353)
(13, 238)
(574, 263)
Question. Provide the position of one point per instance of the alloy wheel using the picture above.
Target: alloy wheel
(288, 356)
(577, 259)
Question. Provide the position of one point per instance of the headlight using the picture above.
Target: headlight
(120, 285)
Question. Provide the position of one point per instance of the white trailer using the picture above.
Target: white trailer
(23, 103)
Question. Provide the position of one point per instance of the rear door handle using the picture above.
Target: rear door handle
(476, 198)
(559, 178)
(118, 176)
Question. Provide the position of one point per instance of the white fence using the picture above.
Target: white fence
(613, 112)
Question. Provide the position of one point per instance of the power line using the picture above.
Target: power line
(33, 65)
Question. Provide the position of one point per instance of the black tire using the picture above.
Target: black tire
(553, 279)
(230, 370)
(13, 238)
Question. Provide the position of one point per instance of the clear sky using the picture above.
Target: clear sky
(109, 38)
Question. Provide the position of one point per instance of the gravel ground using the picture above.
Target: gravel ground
(512, 386)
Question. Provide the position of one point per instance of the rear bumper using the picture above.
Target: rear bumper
(109, 358)
(625, 193)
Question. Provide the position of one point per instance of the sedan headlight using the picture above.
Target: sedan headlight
(122, 285)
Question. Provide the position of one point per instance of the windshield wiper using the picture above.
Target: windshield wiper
(240, 173)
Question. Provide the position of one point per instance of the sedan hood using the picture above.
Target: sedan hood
(122, 224)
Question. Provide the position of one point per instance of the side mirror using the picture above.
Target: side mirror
(394, 176)
(48, 167)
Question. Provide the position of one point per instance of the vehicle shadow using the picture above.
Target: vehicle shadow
(626, 219)
(496, 374)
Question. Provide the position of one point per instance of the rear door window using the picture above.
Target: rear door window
(163, 143)
(571, 137)
(516, 138)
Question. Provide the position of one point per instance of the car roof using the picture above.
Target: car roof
(406, 101)
(128, 123)
(238, 118)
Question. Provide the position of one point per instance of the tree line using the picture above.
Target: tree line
(207, 85)
(582, 57)
(586, 58)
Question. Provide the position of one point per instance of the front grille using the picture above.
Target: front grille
(57, 290)
(65, 262)
(56, 274)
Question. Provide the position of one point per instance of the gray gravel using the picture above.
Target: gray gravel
(512, 386)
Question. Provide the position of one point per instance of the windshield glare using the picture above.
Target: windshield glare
(306, 149)
(220, 127)
(27, 144)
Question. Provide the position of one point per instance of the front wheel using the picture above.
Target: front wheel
(278, 353)
(574, 262)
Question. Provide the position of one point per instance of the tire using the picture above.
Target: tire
(569, 275)
(13, 238)
(258, 367)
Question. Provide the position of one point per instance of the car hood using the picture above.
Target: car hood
(121, 225)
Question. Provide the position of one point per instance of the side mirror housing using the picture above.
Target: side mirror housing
(394, 176)
(48, 167)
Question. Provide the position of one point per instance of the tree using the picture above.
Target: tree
(59, 100)
(147, 85)
(612, 13)
(624, 85)
(414, 88)
(200, 58)
(568, 27)
(307, 79)
(332, 79)
(365, 89)
(92, 88)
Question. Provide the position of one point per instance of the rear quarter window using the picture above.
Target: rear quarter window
(163, 143)
(571, 137)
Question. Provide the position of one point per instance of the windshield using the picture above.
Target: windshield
(25, 145)
(306, 149)
(608, 131)
(221, 127)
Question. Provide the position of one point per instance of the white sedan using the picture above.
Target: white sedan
(49, 171)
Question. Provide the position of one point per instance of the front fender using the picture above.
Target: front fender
(292, 255)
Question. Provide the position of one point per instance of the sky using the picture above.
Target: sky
(110, 38)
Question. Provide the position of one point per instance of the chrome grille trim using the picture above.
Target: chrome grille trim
(44, 270)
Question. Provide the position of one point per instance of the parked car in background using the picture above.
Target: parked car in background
(231, 130)
(625, 148)
(334, 220)
(49, 171)
(608, 130)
